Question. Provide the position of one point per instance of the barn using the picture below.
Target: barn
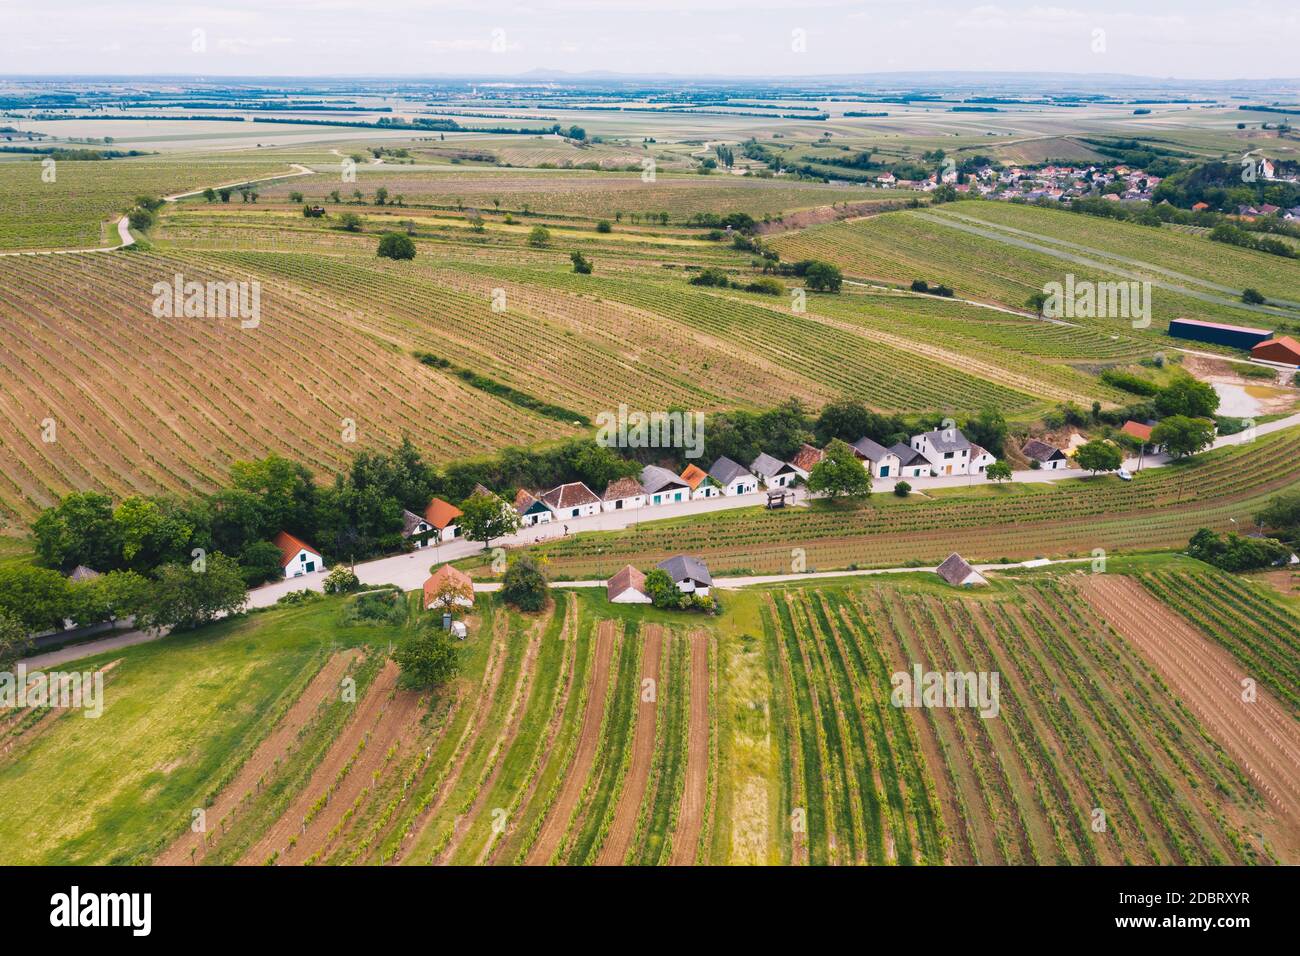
(1234, 336)
(1284, 350)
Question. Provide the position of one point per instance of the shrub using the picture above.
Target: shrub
(341, 580)
(902, 489)
(710, 277)
(395, 245)
(581, 264)
(525, 585)
(604, 226)
(766, 286)
(350, 222)
(823, 277)
(539, 237)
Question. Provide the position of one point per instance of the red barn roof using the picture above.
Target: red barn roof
(1281, 349)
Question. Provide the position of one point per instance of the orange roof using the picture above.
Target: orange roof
(1281, 348)
(441, 513)
(1137, 430)
(693, 476)
(446, 576)
(290, 546)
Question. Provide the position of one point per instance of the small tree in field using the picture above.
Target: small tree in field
(581, 264)
(540, 237)
(525, 585)
(427, 660)
(840, 473)
(999, 471)
(395, 245)
(486, 517)
(1098, 456)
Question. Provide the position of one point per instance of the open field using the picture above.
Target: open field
(596, 733)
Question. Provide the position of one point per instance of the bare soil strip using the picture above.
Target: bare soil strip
(264, 760)
(548, 841)
(690, 819)
(623, 826)
(371, 708)
(1260, 734)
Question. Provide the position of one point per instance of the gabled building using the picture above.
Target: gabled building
(980, 459)
(532, 510)
(627, 587)
(805, 459)
(441, 517)
(448, 587)
(733, 477)
(416, 529)
(297, 557)
(1284, 350)
(877, 459)
(773, 472)
(911, 463)
(947, 450)
(663, 487)
(1049, 457)
(622, 494)
(691, 575)
(957, 572)
(572, 500)
(701, 485)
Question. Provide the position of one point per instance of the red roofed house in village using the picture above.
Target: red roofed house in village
(297, 557)
(448, 587)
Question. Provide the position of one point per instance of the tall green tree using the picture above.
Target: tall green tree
(1183, 436)
(427, 659)
(186, 597)
(840, 474)
(485, 517)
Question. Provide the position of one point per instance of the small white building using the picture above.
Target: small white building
(980, 459)
(947, 450)
(1049, 457)
(882, 462)
(690, 575)
(805, 460)
(911, 463)
(773, 472)
(623, 494)
(572, 500)
(416, 528)
(296, 557)
(663, 487)
(733, 477)
(957, 572)
(627, 587)
(532, 510)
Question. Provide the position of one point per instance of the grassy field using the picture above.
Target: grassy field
(602, 733)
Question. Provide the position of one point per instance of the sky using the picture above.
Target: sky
(1192, 39)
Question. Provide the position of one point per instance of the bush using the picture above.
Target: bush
(394, 245)
(604, 226)
(823, 277)
(1252, 297)
(539, 237)
(902, 489)
(1127, 381)
(341, 580)
(581, 264)
(386, 606)
(710, 277)
(766, 286)
(140, 218)
(525, 585)
(427, 660)
(350, 222)
(1235, 553)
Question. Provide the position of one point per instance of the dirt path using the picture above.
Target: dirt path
(278, 745)
(557, 821)
(621, 830)
(371, 708)
(1259, 735)
(695, 792)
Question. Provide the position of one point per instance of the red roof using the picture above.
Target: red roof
(290, 546)
(693, 475)
(441, 513)
(1281, 349)
(1137, 430)
(447, 576)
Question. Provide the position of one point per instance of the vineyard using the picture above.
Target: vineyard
(74, 210)
(606, 735)
(1159, 509)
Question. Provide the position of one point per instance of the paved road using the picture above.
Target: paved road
(89, 648)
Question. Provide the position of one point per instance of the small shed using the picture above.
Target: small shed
(958, 572)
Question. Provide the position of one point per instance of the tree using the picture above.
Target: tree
(485, 517)
(394, 245)
(14, 642)
(341, 579)
(604, 226)
(78, 530)
(381, 195)
(902, 489)
(224, 193)
(188, 596)
(823, 277)
(141, 219)
(38, 597)
(1098, 456)
(210, 194)
(1036, 302)
(1282, 514)
(999, 471)
(110, 597)
(475, 220)
(840, 473)
(581, 264)
(1187, 397)
(260, 562)
(427, 660)
(295, 197)
(988, 429)
(149, 533)
(540, 237)
(525, 585)
(943, 194)
(1183, 436)
(1252, 297)
(350, 222)
(1235, 553)
(662, 591)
